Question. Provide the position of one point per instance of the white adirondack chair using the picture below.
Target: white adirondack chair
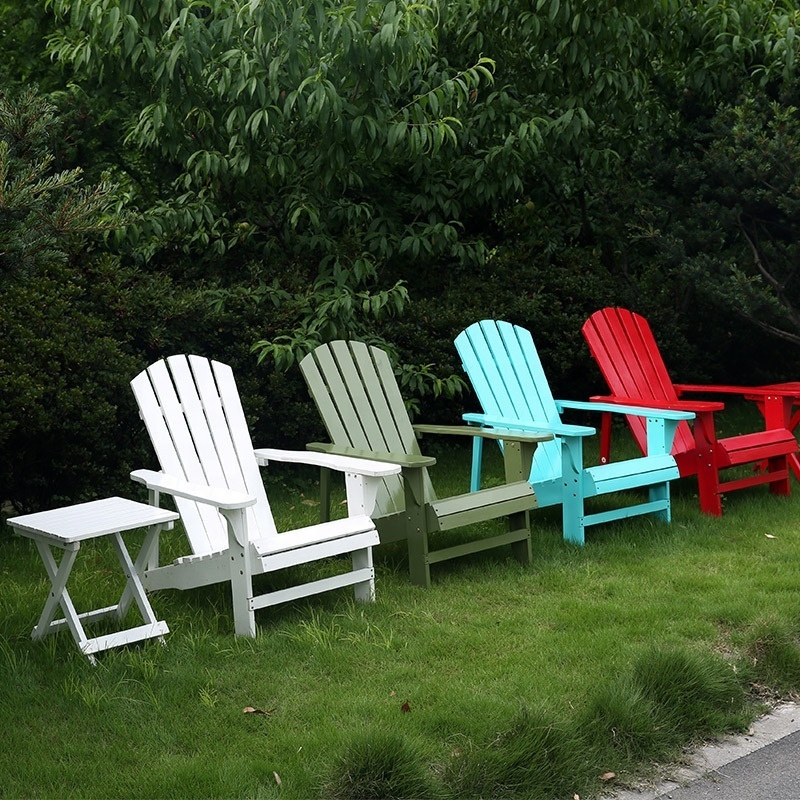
(194, 416)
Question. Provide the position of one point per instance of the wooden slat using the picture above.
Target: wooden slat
(387, 389)
(619, 476)
(626, 352)
(204, 528)
(524, 366)
(319, 386)
(317, 551)
(755, 480)
(757, 446)
(504, 372)
(380, 385)
(198, 424)
(477, 546)
(649, 507)
(610, 348)
(348, 416)
(353, 395)
(492, 503)
(314, 587)
(335, 530)
(223, 407)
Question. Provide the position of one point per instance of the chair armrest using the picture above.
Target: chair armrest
(614, 408)
(484, 433)
(790, 390)
(211, 495)
(398, 459)
(697, 406)
(515, 424)
(359, 466)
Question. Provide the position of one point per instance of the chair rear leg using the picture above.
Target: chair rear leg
(364, 591)
(660, 493)
(522, 551)
(780, 464)
(705, 440)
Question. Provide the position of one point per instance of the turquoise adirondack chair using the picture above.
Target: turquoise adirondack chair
(506, 373)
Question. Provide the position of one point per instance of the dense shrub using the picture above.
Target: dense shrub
(77, 323)
(380, 766)
(536, 756)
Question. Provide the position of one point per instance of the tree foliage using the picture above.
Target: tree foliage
(319, 139)
(299, 170)
(313, 130)
(62, 358)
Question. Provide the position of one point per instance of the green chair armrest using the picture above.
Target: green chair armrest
(484, 433)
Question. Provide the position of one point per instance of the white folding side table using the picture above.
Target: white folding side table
(65, 529)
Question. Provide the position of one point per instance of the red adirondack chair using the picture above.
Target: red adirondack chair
(625, 349)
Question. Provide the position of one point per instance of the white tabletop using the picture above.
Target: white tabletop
(90, 520)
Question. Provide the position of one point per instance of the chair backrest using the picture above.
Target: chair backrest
(623, 345)
(355, 389)
(192, 411)
(504, 368)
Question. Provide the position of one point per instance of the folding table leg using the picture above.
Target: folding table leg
(59, 574)
(134, 589)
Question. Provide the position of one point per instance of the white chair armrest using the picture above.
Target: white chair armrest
(358, 466)
(212, 495)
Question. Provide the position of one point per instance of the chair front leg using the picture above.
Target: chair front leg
(362, 492)
(572, 501)
(605, 437)
(660, 435)
(417, 527)
(705, 440)
(241, 572)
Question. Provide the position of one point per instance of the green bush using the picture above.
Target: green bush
(695, 693)
(625, 725)
(380, 766)
(774, 654)
(77, 323)
(537, 756)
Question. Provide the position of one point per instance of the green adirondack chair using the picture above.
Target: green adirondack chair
(504, 367)
(356, 392)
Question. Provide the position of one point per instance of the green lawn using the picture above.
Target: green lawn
(498, 679)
